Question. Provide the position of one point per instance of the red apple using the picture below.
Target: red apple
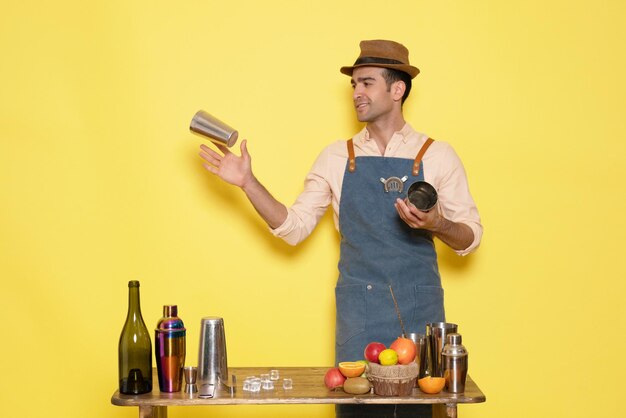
(405, 348)
(334, 378)
(372, 350)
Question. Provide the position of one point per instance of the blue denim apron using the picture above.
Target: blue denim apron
(378, 250)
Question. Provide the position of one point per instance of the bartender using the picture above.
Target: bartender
(385, 241)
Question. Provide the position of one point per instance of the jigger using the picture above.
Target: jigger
(209, 126)
(191, 373)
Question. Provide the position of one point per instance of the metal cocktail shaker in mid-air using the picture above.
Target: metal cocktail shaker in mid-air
(209, 126)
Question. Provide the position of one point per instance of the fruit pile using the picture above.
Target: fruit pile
(351, 375)
(401, 351)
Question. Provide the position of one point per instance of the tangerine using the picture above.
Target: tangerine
(351, 368)
(431, 385)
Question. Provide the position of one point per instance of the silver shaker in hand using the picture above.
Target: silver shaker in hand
(454, 357)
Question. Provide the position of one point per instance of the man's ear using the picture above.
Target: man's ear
(398, 88)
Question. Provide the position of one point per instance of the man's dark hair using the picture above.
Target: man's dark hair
(391, 76)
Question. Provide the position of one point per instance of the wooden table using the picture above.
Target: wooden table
(308, 388)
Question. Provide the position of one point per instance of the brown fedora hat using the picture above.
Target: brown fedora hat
(385, 54)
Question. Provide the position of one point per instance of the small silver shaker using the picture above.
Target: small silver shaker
(454, 357)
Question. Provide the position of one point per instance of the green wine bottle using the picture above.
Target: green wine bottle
(135, 348)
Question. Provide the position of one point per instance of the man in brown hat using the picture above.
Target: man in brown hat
(385, 241)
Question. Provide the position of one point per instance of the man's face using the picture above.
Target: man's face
(372, 98)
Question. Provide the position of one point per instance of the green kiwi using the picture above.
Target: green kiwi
(356, 385)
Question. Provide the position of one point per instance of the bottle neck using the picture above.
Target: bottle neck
(134, 308)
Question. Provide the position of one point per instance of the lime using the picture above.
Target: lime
(364, 374)
(388, 357)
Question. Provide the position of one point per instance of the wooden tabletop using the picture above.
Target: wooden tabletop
(308, 388)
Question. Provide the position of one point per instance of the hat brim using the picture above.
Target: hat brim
(409, 69)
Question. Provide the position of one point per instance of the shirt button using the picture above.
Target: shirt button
(369, 287)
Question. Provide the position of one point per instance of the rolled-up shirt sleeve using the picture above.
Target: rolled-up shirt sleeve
(455, 200)
(323, 184)
(306, 212)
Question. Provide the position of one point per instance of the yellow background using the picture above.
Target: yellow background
(101, 184)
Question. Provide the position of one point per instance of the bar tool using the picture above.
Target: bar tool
(395, 304)
(170, 349)
(454, 364)
(436, 333)
(421, 347)
(422, 195)
(191, 374)
(207, 125)
(212, 360)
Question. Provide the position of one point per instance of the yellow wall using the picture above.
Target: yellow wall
(101, 184)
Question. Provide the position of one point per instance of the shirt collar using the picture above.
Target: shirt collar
(405, 132)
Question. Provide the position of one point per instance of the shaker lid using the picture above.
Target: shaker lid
(453, 346)
(171, 323)
(170, 310)
(454, 339)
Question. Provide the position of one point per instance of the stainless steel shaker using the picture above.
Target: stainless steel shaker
(454, 364)
(422, 195)
(170, 349)
(209, 126)
(420, 358)
(436, 333)
(212, 360)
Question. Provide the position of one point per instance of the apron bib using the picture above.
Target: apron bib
(378, 250)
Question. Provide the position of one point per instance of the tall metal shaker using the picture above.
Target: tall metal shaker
(420, 358)
(436, 333)
(455, 364)
(212, 360)
(170, 349)
(207, 125)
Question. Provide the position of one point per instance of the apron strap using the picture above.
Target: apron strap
(420, 154)
(416, 162)
(352, 161)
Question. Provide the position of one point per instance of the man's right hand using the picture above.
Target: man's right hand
(233, 169)
(238, 171)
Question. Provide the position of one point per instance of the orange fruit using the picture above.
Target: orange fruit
(351, 368)
(431, 385)
(405, 348)
(388, 357)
